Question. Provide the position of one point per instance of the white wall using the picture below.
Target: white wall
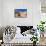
(33, 12)
(0, 11)
(36, 12)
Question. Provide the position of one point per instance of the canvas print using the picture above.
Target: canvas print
(20, 13)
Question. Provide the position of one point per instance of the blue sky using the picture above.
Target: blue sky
(20, 10)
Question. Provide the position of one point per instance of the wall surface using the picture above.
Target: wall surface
(0, 12)
(36, 12)
(33, 12)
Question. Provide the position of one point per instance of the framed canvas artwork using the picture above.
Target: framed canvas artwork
(20, 13)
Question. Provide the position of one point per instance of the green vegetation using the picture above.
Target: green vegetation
(41, 26)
